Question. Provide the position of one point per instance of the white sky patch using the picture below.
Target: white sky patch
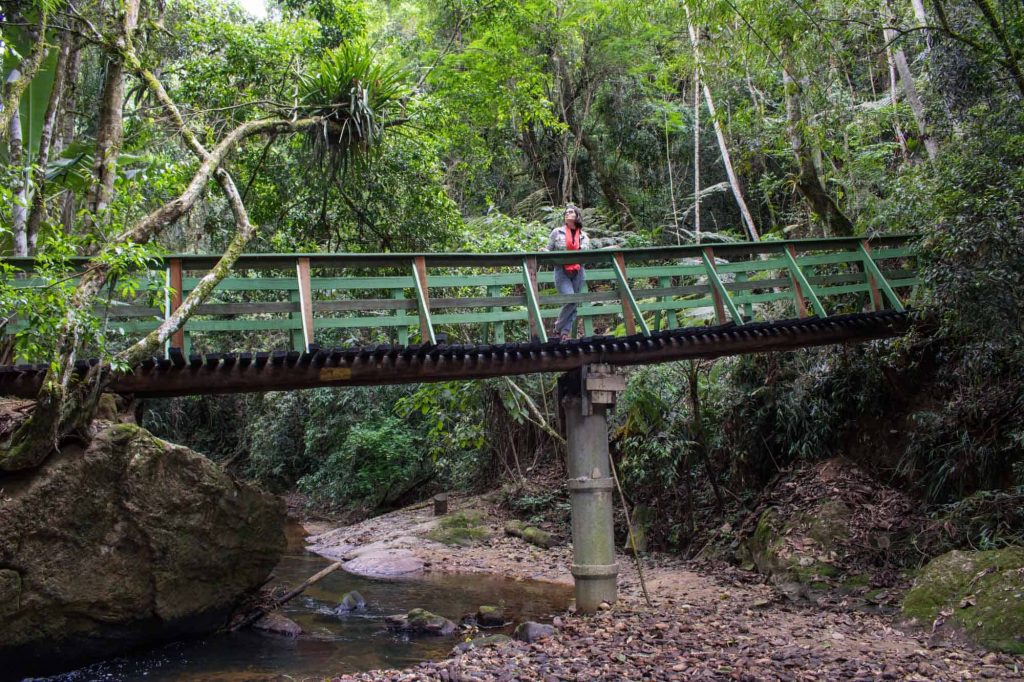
(257, 8)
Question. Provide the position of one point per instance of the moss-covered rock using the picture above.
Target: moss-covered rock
(490, 616)
(127, 541)
(463, 529)
(421, 622)
(485, 642)
(982, 592)
(828, 521)
(800, 548)
(642, 519)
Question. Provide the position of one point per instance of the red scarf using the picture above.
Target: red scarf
(572, 243)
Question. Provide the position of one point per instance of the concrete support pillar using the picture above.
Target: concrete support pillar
(591, 487)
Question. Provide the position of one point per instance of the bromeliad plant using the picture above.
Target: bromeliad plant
(354, 95)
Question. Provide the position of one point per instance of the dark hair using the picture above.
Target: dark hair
(577, 212)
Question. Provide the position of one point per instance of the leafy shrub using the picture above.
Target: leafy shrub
(376, 463)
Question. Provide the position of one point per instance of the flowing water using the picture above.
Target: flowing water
(333, 644)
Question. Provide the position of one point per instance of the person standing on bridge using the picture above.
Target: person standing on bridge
(571, 277)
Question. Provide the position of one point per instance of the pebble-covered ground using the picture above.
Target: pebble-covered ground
(708, 623)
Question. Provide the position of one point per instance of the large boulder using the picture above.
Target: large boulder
(982, 592)
(127, 541)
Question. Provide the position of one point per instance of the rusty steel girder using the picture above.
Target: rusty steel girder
(374, 365)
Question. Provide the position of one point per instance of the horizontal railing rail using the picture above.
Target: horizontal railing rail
(310, 299)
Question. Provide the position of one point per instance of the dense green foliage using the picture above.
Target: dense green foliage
(468, 125)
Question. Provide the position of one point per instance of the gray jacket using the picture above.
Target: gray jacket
(556, 241)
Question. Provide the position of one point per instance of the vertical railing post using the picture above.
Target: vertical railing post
(537, 330)
(627, 310)
(708, 256)
(671, 322)
(403, 331)
(802, 288)
(631, 313)
(718, 291)
(876, 274)
(748, 307)
(298, 339)
(876, 295)
(174, 282)
(798, 295)
(498, 328)
(305, 301)
(419, 272)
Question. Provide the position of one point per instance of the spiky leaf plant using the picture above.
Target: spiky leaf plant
(357, 95)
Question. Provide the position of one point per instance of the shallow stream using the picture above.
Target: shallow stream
(333, 644)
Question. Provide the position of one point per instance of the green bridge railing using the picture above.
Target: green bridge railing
(332, 299)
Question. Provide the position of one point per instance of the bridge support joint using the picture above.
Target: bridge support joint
(585, 396)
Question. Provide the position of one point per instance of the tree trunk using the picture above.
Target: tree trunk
(67, 136)
(696, 154)
(541, 166)
(65, 405)
(53, 107)
(21, 77)
(19, 212)
(894, 97)
(913, 99)
(671, 182)
(699, 434)
(609, 188)
(919, 12)
(734, 183)
(110, 129)
(730, 172)
(808, 182)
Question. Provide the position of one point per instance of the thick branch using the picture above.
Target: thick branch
(152, 224)
(245, 230)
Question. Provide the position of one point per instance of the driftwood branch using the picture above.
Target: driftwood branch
(261, 611)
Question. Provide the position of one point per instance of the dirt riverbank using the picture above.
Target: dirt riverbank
(706, 623)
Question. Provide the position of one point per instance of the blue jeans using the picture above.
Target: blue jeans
(568, 284)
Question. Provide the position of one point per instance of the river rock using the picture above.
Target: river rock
(490, 616)
(352, 601)
(530, 632)
(385, 563)
(981, 592)
(126, 541)
(421, 622)
(275, 624)
(481, 643)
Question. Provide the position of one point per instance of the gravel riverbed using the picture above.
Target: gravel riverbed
(707, 622)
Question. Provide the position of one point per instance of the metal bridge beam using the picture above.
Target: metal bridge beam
(278, 371)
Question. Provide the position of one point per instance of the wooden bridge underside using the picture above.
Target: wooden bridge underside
(178, 375)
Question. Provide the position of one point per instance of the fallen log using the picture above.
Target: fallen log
(531, 534)
(261, 611)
